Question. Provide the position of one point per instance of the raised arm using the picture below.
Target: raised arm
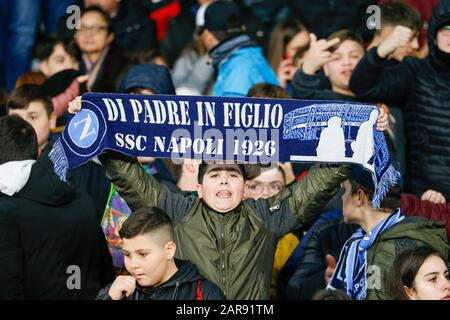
(310, 87)
(306, 83)
(140, 189)
(135, 186)
(302, 202)
(379, 79)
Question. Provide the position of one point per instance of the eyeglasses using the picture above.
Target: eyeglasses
(256, 188)
(91, 29)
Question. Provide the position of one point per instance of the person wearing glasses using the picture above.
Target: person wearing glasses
(102, 59)
(265, 183)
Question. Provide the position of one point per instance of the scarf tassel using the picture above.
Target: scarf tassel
(58, 156)
(388, 180)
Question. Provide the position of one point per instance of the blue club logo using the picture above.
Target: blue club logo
(84, 128)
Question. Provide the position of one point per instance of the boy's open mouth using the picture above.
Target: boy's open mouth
(223, 194)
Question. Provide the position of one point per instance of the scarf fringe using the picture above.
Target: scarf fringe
(389, 179)
(60, 162)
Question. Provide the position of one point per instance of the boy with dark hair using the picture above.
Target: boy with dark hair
(18, 140)
(367, 257)
(51, 246)
(57, 54)
(59, 60)
(336, 56)
(398, 13)
(149, 249)
(33, 104)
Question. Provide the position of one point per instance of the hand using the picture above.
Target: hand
(317, 55)
(122, 287)
(434, 197)
(75, 105)
(330, 269)
(285, 72)
(383, 120)
(83, 78)
(398, 38)
(391, 119)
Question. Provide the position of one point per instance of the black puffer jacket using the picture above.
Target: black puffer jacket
(50, 240)
(186, 284)
(324, 17)
(327, 237)
(422, 87)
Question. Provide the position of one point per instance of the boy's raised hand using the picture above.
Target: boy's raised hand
(434, 197)
(75, 105)
(331, 262)
(397, 39)
(383, 120)
(317, 55)
(122, 287)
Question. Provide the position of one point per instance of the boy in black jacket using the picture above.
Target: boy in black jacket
(51, 245)
(149, 250)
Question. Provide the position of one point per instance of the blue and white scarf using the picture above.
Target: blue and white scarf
(350, 274)
(253, 130)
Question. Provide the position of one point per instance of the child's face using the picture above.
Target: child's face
(431, 281)
(147, 260)
(345, 59)
(443, 39)
(58, 61)
(266, 185)
(223, 187)
(36, 115)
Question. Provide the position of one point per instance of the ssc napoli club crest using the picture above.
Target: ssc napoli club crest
(86, 131)
(83, 129)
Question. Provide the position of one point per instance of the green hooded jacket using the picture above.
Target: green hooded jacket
(408, 233)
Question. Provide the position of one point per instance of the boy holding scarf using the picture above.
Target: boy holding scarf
(232, 241)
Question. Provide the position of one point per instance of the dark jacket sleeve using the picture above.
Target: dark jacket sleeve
(211, 292)
(140, 189)
(91, 179)
(381, 80)
(303, 201)
(11, 259)
(413, 206)
(310, 87)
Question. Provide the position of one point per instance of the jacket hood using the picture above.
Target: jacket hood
(14, 176)
(430, 232)
(441, 14)
(44, 186)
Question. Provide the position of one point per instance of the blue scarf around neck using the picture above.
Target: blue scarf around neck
(350, 274)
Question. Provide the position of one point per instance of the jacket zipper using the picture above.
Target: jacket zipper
(222, 273)
(174, 296)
